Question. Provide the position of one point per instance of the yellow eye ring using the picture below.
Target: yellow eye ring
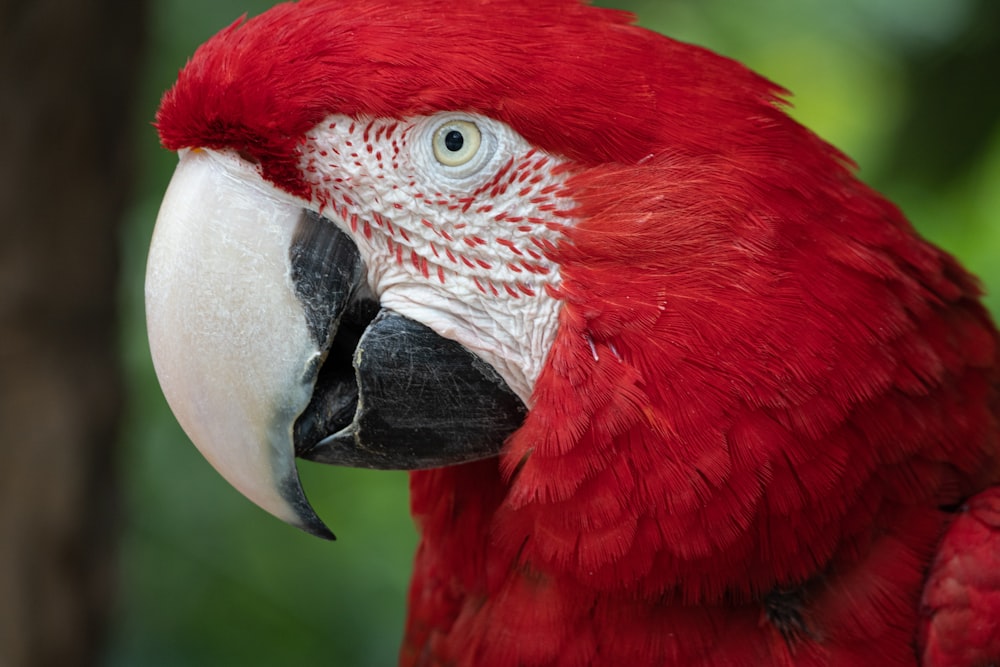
(456, 142)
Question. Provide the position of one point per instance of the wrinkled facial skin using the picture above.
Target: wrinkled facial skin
(461, 247)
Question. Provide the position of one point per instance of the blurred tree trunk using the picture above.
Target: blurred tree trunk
(67, 74)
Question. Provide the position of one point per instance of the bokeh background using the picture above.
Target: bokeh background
(907, 88)
(210, 580)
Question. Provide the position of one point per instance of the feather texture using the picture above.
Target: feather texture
(765, 391)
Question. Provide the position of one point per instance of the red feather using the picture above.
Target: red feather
(764, 387)
(960, 624)
(542, 67)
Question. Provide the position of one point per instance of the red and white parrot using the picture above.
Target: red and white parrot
(676, 388)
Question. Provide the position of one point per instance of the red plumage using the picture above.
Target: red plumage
(961, 600)
(766, 391)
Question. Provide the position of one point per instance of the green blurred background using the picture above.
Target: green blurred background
(907, 88)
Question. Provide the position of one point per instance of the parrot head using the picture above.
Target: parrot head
(418, 234)
(357, 261)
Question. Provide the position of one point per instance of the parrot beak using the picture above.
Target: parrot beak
(268, 344)
(219, 304)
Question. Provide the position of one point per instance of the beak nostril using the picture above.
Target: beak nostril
(245, 154)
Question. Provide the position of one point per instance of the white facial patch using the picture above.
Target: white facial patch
(454, 215)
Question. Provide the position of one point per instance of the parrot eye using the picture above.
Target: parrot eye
(456, 142)
(456, 149)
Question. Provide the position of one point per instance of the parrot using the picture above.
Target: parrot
(673, 385)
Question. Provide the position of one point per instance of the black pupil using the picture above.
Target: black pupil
(454, 141)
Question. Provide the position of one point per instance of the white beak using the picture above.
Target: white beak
(229, 339)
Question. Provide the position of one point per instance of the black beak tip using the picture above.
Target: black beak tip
(315, 526)
(306, 517)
